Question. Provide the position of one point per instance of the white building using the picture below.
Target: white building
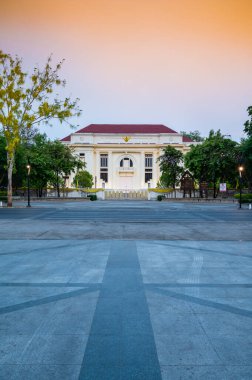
(124, 156)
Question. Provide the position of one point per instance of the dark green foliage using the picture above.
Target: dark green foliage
(92, 197)
(160, 197)
(28, 100)
(83, 179)
(246, 151)
(193, 135)
(245, 198)
(248, 123)
(246, 161)
(3, 162)
(214, 161)
(171, 166)
(63, 162)
(49, 161)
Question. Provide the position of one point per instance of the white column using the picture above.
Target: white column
(94, 173)
(155, 176)
(158, 173)
(97, 169)
(110, 170)
(142, 170)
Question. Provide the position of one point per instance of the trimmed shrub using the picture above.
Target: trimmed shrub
(92, 197)
(245, 198)
(160, 197)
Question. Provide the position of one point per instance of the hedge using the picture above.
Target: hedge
(245, 198)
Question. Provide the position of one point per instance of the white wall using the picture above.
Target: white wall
(116, 148)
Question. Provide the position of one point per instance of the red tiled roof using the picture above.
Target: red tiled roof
(126, 128)
(67, 138)
(187, 139)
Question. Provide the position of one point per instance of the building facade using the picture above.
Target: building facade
(124, 156)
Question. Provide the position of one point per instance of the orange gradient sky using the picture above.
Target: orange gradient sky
(183, 63)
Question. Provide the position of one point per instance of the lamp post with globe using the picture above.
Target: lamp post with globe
(28, 167)
(240, 168)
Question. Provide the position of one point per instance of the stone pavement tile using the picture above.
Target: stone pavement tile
(139, 372)
(166, 323)
(226, 324)
(201, 304)
(125, 304)
(220, 292)
(161, 275)
(233, 349)
(12, 348)
(85, 274)
(42, 349)
(225, 274)
(25, 321)
(133, 324)
(213, 305)
(102, 349)
(195, 372)
(161, 303)
(72, 324)
(239, 372)
(185, 349)
(108, 324)
(105, 372)
(80, 304)
(134, 302)
(39, 372)
(137, 350)
(106, 305)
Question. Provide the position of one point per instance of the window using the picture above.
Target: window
(148, 175)
(148, 160)
(104, 160)
(148, 167)
(126, 163)
(104, 167)
(82, 156)
(104, 175)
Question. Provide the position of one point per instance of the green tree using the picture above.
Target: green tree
(246, 160)
(20, 167)
(170, 163)
(63, 162)
(3, 161)
(193, 135)
(28, 100)
(248, 123)
(246, 150)
(83, 179)
(41, 161)
(214, 160)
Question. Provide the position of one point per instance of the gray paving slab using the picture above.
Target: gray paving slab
(162, 291)
(127, 220)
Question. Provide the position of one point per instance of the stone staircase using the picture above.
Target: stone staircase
(126, 194)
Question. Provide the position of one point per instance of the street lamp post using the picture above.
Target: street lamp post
(240, 184)
(28, 167)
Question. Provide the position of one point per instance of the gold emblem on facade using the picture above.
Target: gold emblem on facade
(126, 138)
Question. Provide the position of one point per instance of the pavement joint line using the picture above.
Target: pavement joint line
(43, 301)
(204, 302)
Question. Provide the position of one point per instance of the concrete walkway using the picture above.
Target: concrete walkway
(107, 308)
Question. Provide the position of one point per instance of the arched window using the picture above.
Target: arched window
(126, 162)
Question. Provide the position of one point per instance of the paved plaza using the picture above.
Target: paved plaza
(125, 290)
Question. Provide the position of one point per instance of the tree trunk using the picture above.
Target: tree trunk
(10, 162)
(58, 189)
(214, 188)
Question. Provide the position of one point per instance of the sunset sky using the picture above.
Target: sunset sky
(183, 63)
